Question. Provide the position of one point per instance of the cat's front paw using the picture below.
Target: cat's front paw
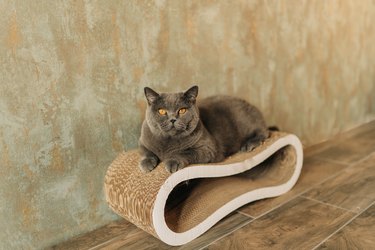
(173, 165)
(250, 146)
(147, 164)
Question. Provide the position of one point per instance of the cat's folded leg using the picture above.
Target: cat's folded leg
(203, 154)
(148, 161)
(254, 140)
(175, 163)
(147, 164)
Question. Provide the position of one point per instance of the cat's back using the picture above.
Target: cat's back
(230, 120)
(223, 105)
(220, 101)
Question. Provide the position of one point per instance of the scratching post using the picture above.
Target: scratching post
(163, 205)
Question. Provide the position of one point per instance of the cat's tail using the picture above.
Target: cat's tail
(273, 128)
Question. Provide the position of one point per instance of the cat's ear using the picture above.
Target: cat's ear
(151, 95)
(192, 93)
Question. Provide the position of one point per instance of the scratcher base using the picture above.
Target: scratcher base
(163, 205)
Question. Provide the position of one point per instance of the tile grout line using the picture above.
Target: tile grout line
(328, 204)
(245, 214)
(340, 228)
(225, 235)
(332, 161)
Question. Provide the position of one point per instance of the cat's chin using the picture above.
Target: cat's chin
(175, 132)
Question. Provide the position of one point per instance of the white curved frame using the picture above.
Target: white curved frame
(175, 239)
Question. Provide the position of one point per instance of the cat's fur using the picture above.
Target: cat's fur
(209, 131)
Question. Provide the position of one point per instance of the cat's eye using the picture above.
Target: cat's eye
(162, 111)
(182, 111)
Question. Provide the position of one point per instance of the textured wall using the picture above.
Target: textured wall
(72, 75)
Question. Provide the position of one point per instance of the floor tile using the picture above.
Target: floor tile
(352, 189)
(95, 237)
(367, 130)
(350, 150)
(359, 132)
(314, 171)
(298, 224)
(223, 228)
(358, 234)
(135, 238)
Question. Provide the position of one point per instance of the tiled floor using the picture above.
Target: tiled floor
(331, 207)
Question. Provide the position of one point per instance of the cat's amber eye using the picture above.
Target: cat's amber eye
(162, 111)
(182, 111)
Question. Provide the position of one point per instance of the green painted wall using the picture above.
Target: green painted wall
(72, 75)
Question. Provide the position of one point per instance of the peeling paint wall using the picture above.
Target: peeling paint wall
(72, 75)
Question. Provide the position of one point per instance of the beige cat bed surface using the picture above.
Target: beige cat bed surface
(163, 205)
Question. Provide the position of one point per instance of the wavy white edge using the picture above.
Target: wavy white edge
(200, 171)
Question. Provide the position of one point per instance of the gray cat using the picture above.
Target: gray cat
(180, 132)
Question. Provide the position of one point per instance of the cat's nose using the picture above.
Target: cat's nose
(173, 120)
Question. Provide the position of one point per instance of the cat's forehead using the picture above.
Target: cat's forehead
(172, 99)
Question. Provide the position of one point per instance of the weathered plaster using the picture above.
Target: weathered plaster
(72, 75)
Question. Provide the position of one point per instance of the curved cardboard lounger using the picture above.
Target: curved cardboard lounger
(163, 205)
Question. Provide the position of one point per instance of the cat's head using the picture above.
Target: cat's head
(172, 114)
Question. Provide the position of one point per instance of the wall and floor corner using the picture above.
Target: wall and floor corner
(72, 75)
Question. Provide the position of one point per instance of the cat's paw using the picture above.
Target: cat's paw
(173, 165)
(249, 146)
(147, 164)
